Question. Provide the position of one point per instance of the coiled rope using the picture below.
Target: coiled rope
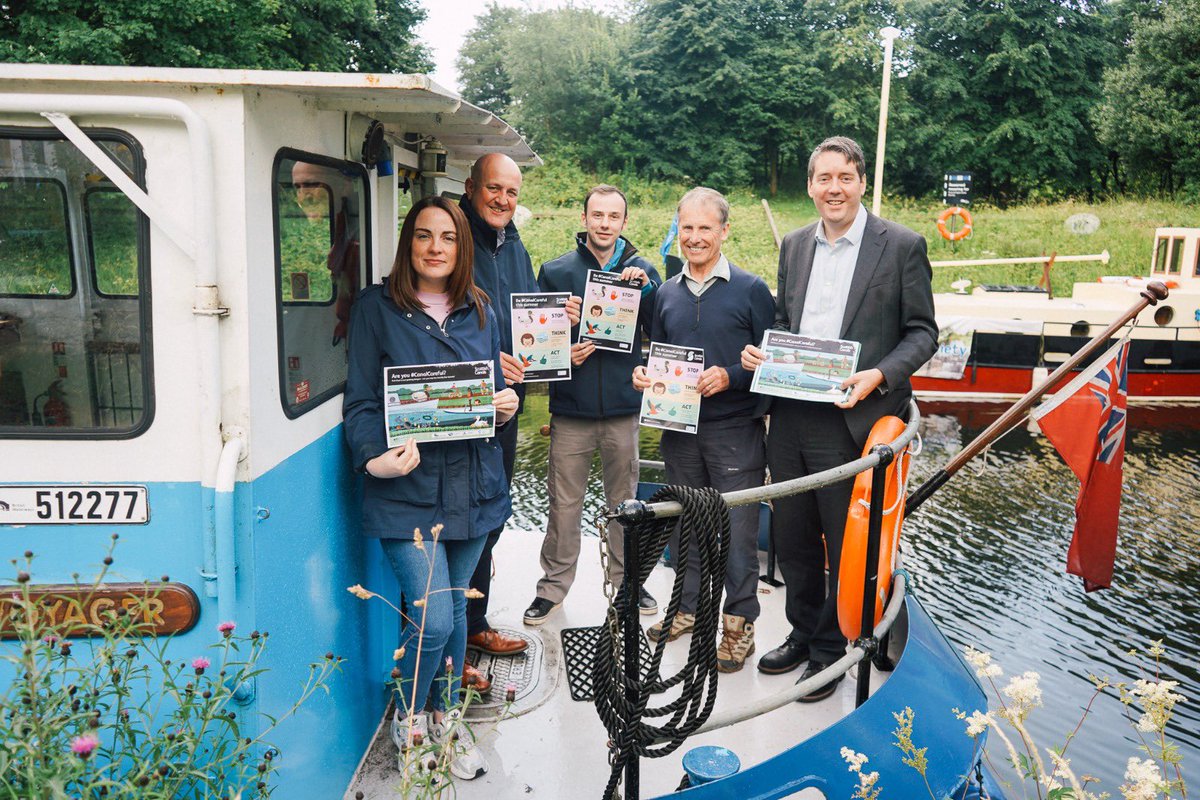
(703, 535)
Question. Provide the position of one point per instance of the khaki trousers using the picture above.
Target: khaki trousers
(573, 441)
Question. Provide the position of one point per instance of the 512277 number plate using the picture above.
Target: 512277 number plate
(103, 504)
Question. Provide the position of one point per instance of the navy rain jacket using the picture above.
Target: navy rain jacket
(460, 484)
(602, 386)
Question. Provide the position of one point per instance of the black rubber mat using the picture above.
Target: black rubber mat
(579, 645)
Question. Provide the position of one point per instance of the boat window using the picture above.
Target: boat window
(1160, 255)
(77, 369)
(321, 216)
(35, 246)
(1176, 257)
(112, 221)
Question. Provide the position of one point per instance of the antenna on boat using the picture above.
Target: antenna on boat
(1150, 296)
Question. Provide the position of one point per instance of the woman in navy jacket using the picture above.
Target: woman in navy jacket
(431, 506)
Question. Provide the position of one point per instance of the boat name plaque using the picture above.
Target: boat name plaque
(78, 610)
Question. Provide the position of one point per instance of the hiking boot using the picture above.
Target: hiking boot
(737, 643)
(458, 746)
(683, 623)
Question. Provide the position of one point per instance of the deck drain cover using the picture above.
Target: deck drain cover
(579, 647)
(522, 671)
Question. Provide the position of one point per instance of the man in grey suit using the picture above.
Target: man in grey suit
(850, 275)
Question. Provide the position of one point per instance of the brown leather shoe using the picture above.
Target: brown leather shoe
(475, 679)
(495, 643)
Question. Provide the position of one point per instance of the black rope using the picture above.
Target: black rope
(704, 535)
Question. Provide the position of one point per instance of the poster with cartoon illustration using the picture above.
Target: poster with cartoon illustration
(438, 402)
(805, 367)
(610, 311)
(541, 334)
(672, 402)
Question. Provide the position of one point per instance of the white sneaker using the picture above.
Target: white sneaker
(416, 757)
(468, 762)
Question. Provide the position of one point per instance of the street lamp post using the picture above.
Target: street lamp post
(888, 35)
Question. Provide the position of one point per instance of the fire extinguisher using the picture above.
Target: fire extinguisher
(55, 413)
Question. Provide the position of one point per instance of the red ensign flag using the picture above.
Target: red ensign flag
(1085, 421)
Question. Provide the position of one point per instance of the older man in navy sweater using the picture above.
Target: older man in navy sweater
(716, 306)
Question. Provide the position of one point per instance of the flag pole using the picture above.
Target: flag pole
(1150, 296)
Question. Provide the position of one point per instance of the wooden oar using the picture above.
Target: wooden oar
(1150, 296)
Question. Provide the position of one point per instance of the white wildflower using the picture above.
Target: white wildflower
(1025, 694)
(1143, 781)
(977, 723)
(1158, 701)
(855, 760)
(982, 662)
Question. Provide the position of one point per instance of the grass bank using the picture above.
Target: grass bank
(554, 194)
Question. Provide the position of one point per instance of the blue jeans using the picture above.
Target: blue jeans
(439, 630)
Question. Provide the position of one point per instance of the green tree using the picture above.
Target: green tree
(483, 59)
(1149, 116)
(1005, 89)
(333, 35)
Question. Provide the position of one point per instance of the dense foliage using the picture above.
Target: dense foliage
(330, 35)
(1038, 98)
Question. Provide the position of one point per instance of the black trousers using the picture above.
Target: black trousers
(804, 438)
(482, 578)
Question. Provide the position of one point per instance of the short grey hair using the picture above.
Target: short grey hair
(702, 194)
(849, 148)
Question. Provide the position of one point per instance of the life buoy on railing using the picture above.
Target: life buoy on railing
(961, 233)
(854, 541)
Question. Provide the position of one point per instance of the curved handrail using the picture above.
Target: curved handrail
(635, 510)
(826, 676)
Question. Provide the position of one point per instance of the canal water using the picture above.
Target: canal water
(987, 554)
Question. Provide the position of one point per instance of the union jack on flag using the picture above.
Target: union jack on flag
(1112, 415)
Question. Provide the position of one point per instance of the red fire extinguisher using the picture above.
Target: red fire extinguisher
(56, 413)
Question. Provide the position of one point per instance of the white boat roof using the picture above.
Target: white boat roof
(402, 102)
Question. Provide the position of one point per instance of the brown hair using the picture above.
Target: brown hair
(605, 188)
(460, 288)
(849, 150)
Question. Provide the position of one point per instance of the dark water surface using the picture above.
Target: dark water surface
(988, 553)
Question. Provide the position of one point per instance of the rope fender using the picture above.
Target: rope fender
(703, 534)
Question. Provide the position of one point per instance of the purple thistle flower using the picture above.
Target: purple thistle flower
(226, 628)
(83, 746)
(199, 664)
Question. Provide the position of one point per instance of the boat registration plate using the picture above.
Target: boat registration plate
(104, 504)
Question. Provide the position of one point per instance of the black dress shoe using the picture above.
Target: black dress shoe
(646, 603)
(784, 658)
(820, 693)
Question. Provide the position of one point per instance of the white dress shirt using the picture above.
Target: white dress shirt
(829, 281)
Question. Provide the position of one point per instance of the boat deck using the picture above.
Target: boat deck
(554, 747)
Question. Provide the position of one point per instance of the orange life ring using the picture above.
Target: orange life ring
(961, 233)
(854, 542)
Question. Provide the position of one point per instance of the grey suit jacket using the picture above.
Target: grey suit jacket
(889, 310)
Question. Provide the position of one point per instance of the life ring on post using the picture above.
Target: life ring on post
(854, 541)
(961, 233)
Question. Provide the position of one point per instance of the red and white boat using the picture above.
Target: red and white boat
(998, 341)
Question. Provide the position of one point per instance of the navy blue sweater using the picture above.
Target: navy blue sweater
(727, 317)
(601, 387)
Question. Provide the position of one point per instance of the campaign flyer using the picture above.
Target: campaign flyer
(541, 334)
(438, 402)
(610, 311)
(672, 402)
(805, 367)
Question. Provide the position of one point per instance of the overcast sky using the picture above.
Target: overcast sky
(449, 20)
